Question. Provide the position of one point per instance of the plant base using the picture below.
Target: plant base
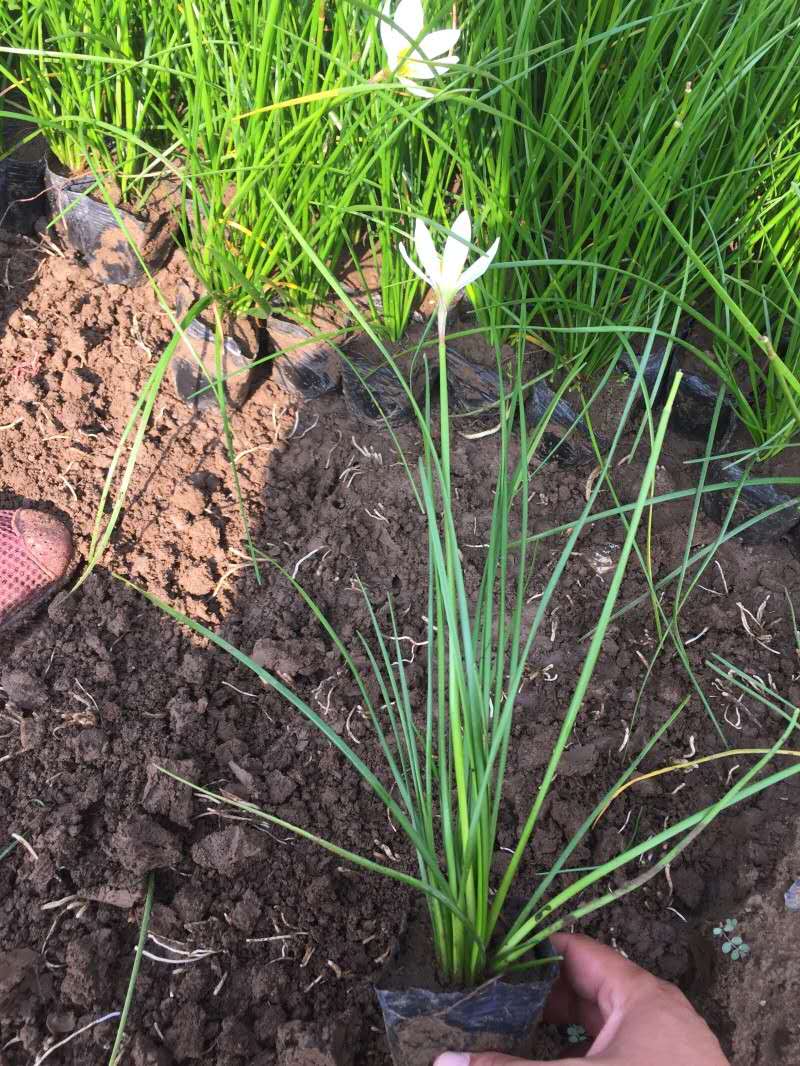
(308, 366)
(191, 375)
(500, 1015)
(21, 200)
(755, 500)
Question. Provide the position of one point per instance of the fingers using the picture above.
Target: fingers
(632, 1015)
(658, 1026)
(564, 1007)
(594, 979)
(485, 1058)
(597, 974)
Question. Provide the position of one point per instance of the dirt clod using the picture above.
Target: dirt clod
(91, 966)
(186, 1036)
(141, 844)
(18, 969)
(230, 850)
(23, 690)
(166, 797)
(301, 1044)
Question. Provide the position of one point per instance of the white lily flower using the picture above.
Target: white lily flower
(445, 273)
(410, 57)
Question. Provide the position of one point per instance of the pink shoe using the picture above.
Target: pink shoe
(35, 555)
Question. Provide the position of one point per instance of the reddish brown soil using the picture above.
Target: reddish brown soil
(103, 685)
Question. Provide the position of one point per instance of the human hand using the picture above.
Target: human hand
(634, 1019)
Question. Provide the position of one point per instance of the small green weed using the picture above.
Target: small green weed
(576, 1034)
(733, 946)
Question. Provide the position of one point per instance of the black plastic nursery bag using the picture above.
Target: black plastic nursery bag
(92, 229)
(500, 1015)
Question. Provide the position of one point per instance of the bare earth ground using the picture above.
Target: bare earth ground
(101, 686)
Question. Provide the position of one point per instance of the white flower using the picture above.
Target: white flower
(445, 273)
(408, 53)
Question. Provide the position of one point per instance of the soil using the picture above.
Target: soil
(102, 687)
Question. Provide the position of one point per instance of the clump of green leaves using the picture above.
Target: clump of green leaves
(283, 115)
(576, 1034)
(732, 943)
(446, 756)
(96, 76)
(270, 120)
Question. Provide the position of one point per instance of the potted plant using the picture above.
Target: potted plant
(96, 78)
(21, 166)
(746, 433)
(252, 119)
(491, 966)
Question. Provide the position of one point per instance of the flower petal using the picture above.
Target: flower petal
(426, 250)
(456, 250)
(413, 265)
(409, 19)
(416, 90)
(438, 43)
(389, 36)
(424, 70)
(416, 71)
(384, 28)
(479, 267)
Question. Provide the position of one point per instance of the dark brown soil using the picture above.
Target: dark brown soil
(102, 686)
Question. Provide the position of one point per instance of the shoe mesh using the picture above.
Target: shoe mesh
(21, 579)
